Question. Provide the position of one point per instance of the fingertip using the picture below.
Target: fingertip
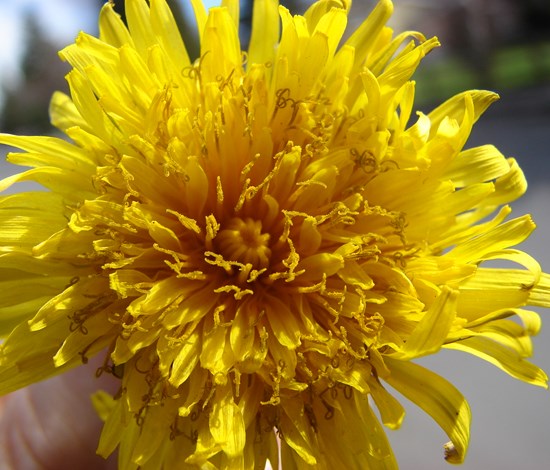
(52, 424)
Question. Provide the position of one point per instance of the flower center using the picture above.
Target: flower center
(242, 240)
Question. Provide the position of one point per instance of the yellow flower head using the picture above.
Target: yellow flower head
(259, 242)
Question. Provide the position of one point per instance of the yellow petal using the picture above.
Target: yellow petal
(265, 32)
(317, 11)
(63, 112)
(382, 57)
(391, 411)
(141, 82)
(139, 24)
(377, 453)
(520, 258)
(455, 108)
(315, 266)
(220, 34)
(214, 343)
(476, 165)
(233, 8)
(154, 431)
(12, 315)
(196, 303)
(227, 425)
(437, 397)
(49, 151)
(103, 403)
(503, 236)
(283, 322)
(510, 186)
(401, 69)
(504, 358)
(200, 16)
(90, 51)
(87, 105)
(509, 334)
(243, 331)
(432, 330)
(111, 433)
(331, 25)
(26, 357)
(364, 37)
(493, 289)
(531, 320)
(29, 218)
(297, 432)
(539, 294)
(93, 336)
(168, 34)
(111, 27)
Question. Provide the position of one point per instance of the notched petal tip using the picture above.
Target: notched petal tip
(451, 455)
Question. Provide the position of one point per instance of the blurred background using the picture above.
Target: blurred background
(502, 45)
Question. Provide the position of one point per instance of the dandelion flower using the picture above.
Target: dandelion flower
(259, 243)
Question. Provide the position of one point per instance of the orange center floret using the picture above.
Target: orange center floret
(242, 240)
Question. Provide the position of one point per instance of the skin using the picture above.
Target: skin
(52, 425)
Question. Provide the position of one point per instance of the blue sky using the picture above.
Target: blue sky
(60, 19)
